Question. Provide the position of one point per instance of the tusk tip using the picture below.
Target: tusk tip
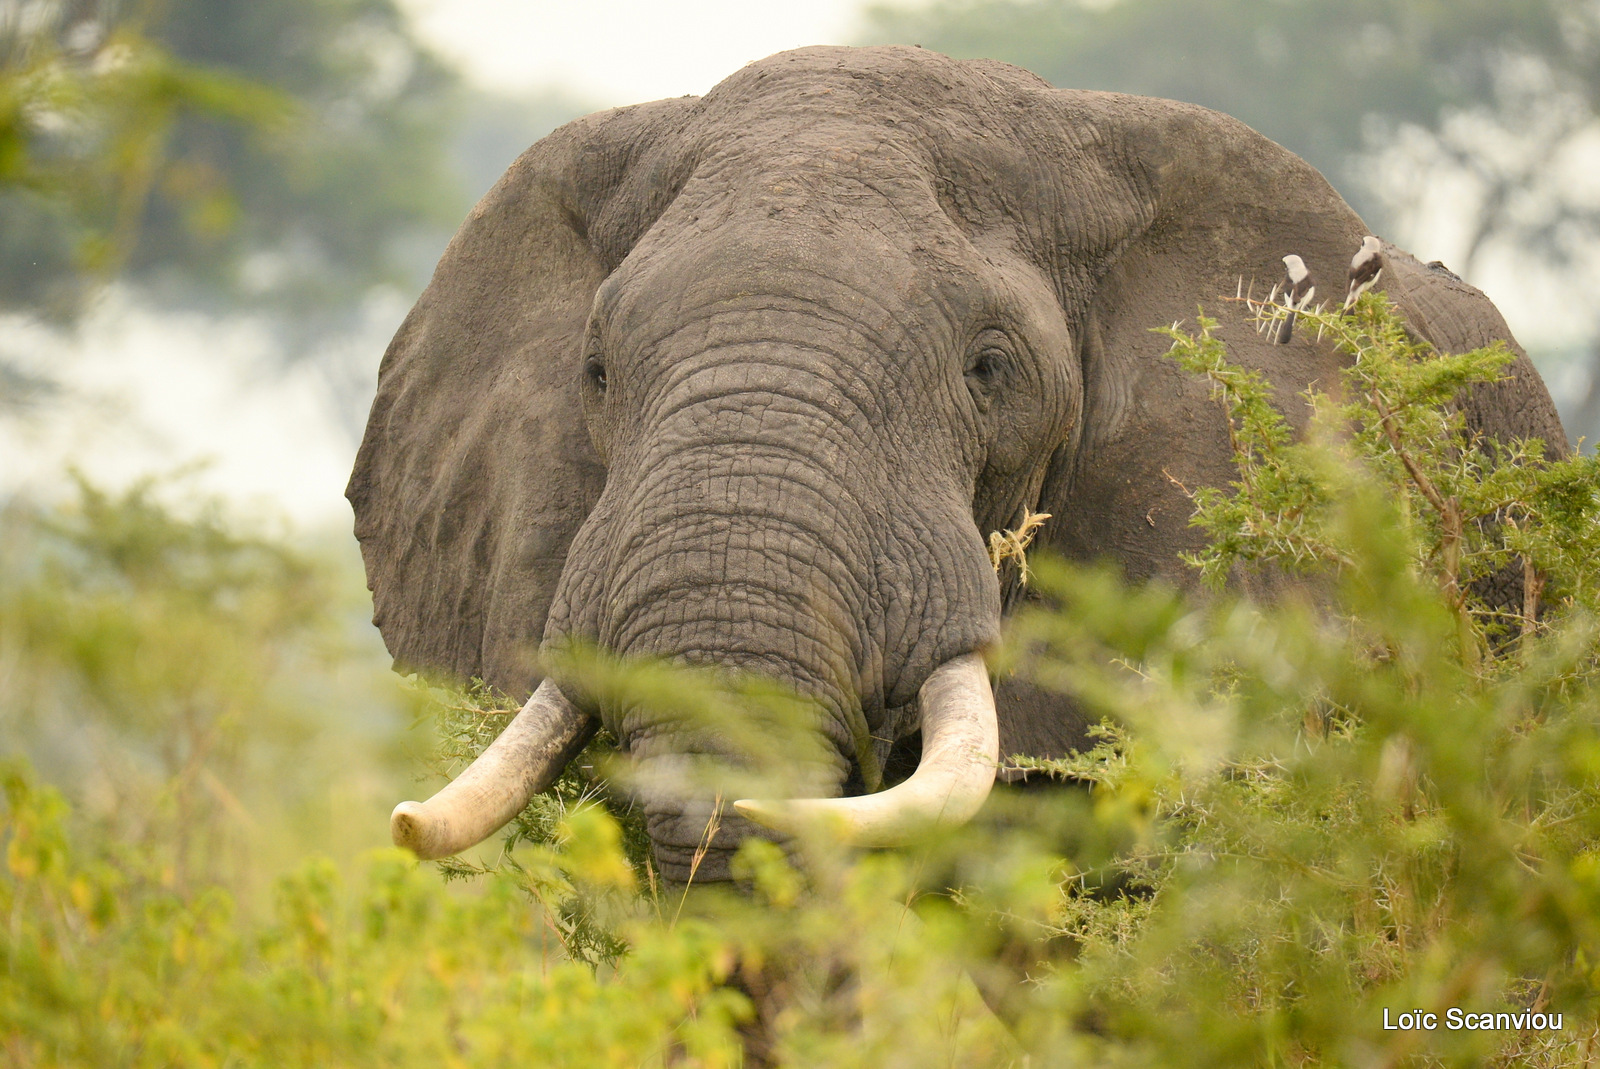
(411, 830)
(792, 816)
(764, 813)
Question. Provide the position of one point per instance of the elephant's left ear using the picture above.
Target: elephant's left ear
(476, 467)
(1196, 205)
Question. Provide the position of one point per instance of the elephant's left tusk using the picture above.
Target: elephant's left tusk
(525, 759)
(960, 754)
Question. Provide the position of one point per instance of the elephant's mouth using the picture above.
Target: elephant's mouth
(697, 844)
(960, 754)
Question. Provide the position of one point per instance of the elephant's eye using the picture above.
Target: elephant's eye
(986, 364)
(990, 358)
(987, 359)
(595, 369)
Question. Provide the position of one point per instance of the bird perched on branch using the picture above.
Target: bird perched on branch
(1365, 267)
(1298, 289)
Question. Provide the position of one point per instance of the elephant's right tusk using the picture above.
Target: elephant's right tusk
(525, 759)
(960, 754)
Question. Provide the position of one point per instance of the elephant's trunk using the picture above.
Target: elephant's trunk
(525, 759)
(762, 562)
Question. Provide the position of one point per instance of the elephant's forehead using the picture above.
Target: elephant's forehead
(896, 285)
(894, 111)
(853, 276)
(871, 154)
(832, 221)
(908, 167)
(887, 86)
(845, 168)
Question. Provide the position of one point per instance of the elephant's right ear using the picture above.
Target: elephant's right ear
(476, 468)
(1191, 206)
(1188, 207)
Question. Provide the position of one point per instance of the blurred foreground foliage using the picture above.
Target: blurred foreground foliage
(1379, 793)
(209, 697)
(106, 965)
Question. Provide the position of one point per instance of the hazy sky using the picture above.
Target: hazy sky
(151, 393)
(621, 51)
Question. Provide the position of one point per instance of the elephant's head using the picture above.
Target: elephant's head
(744, 380)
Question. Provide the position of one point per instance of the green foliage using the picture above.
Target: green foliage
(1485, 519)
(1298, 816)
(87, 112)
(104, 965)
(191, 684)
(580, 912)
(1325, 820)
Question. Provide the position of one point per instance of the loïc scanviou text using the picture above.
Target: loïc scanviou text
(1455, 1019)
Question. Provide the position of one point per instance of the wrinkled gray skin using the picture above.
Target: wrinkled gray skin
(853, 310)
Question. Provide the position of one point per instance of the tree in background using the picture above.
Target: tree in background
(280, 154)
(86, 111)
(285, 158)
(1385, 96)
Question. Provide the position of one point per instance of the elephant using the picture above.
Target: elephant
(744, 381)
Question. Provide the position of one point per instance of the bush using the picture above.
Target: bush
(1301, 821)
(106, 965)
(215, 698)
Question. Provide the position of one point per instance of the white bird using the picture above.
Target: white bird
(1365, 267)
(1298, 289)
